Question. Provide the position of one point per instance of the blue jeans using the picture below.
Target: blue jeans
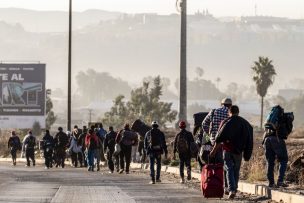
(275, 148)
(232, 164)
(184, 160)
(153, 157)
(90, 158)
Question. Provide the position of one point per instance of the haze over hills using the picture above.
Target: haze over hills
(134, 46)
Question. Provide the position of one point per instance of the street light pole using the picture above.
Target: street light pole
(70, 66)
(183, 63)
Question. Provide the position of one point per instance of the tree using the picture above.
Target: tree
(263, 76)
(144, 104)
(199, 71)
(50, 115)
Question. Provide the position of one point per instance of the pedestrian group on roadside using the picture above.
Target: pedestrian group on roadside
(223, 140)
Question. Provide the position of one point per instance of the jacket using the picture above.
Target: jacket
(147, 143)
(110, 136)
(239, 134)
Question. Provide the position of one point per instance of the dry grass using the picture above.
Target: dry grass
(4, 136)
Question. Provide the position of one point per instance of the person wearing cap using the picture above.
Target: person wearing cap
(29, 143)
(212, 122)
(155, 145)
(181, 145)
(14, 145)
(210, 127)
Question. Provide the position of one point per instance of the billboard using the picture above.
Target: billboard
(22, 95)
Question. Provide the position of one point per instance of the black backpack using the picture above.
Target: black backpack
(154, 140)
(111, 141)
(92, 143)
(182, 144)
(286, 125)
(31, 142)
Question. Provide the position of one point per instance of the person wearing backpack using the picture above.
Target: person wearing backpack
(101, 134)
(29, 143)
(75, 148)
(181, 145)
(92, 144)
(277, 128)
(155, 145)
(236, 137)
(81, 142)
(126, 138)
(109, 147)
(61, 140)
(48, 147)
(14, 145)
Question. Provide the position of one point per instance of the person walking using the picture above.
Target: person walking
(29, 143)
(48, 148)
(109, 147)
(236, 136)
(61, 140)
(155, 145)
(75, 148)
(126, 138)
(81, 142)
(182, 143)
(91, 143)
(14, 145)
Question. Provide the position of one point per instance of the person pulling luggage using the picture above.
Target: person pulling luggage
(181, 145)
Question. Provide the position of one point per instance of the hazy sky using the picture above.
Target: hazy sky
(286, 8)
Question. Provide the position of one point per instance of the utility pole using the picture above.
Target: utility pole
(70, 67)
(183, 63)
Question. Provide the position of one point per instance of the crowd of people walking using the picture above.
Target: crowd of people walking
(225, 138)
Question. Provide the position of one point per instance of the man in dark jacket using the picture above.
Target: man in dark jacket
(236, 135)
(126, 138)
(182, 144)
(14, 144)
(109, 147)
(61, 140)
(29, 143)
(155, 146)
(48, 147)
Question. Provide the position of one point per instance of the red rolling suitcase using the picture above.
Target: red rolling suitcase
(212, 181)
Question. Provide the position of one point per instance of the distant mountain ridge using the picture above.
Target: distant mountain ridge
(54, 21)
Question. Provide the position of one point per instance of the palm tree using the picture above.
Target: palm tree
(263, 77)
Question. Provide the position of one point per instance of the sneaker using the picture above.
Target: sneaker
(111, 172)
(188, 177)
(98, 169)
(46, 167)
(231, 195)
(121, 171)
(226, 191)
(127, 172)
(272, 185)
(158, 180)
(89, 168)
(182, 181)
(152, 182)
(282, 184)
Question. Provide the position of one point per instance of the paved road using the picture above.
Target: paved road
(20, 184)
